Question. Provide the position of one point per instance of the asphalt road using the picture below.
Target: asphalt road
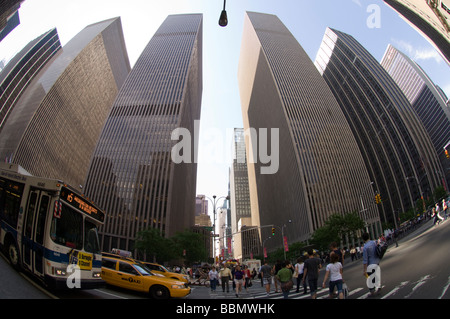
(416, 269)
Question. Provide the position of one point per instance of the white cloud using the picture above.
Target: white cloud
(417, 54)
(358, 2)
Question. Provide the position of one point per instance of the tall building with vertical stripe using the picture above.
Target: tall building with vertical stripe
(321, 170)
(132, 174)
(395, 145)
(428, 102)
(55, 124)
(22, 68)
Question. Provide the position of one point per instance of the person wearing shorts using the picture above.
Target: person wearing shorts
(311, 271)
(266, 274)
(334, 271)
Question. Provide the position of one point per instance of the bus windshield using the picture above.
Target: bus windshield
(67, 230)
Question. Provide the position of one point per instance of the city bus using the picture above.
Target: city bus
(49, 230)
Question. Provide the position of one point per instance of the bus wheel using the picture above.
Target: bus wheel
(159, 292)
(13, 254)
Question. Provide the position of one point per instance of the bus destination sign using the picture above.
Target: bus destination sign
(82, 204)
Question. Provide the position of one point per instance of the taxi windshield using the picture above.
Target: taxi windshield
(143, 270)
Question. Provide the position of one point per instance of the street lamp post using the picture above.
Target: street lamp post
(214, 202)
(223, 20)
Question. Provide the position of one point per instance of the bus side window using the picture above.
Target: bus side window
(40, 227)
(29, 214)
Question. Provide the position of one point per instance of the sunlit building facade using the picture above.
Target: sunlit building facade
(54, 127)
(133, 175)
(395, 146)
(321, 170)
(427, 100)
(22, 68)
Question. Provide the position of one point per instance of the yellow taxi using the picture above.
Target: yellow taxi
(130, 274)
(160, 269)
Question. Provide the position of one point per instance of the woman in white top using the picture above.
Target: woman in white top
(213, 278)
(334, 271)
(299, 266)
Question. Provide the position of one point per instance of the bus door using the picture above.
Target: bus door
(34, 228)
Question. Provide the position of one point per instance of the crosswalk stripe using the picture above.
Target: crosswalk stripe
(394, 291)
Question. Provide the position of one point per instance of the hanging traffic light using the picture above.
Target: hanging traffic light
(378, 198)
(447, 154)
(273, 231)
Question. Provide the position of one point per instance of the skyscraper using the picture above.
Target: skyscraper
(23, 67)
(426, 99)
(321, 170)
(132, 174)
(430, 18)
(396, 148)
(54, 126)
(240, 200)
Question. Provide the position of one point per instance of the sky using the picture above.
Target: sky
(370, 22)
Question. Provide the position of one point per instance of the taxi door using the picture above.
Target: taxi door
(129, 278)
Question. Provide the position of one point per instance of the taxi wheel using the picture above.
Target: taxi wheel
(159, 292)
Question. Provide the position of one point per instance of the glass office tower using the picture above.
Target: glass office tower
(426, 99)
(321, 170)
(132, 174)
(430, 18)
(396, 148)
(54, 126)
(22, 68)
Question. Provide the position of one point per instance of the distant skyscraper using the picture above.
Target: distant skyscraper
(430, 18)
(132, 175)
(201, 205)
(240, 196)
(9, 16)
(240, 200)
(22, 68)
(321, 170)
(54, 126)
(428, 101)
(396, 148)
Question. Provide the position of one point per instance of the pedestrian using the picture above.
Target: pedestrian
(353, 252)
(370, 260)
(311, 271)
(334, 271)
(225, 276)
(247, 278)
(276, 268)
(238, 279)
(299, 266)
(435, 214)
(284, 275)
(266, 275)
(213, 278)
(334, 248)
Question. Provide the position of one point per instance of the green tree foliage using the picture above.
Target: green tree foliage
(192, 244)
(151, 243)
(335, 228)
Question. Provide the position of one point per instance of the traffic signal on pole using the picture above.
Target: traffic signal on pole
(273, 231)
(378, 198)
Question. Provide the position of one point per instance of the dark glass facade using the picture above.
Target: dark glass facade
(54, 126)
(425, 99)
(321, 170)
(132, 175)
(19, 72)
(395, 146)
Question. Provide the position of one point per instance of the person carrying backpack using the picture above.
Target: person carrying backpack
(370, 261)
